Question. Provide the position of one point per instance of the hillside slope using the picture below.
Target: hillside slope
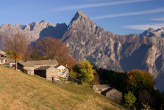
(19, 91)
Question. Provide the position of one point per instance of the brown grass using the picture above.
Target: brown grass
(19, 91)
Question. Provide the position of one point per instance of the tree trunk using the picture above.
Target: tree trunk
(15, 64)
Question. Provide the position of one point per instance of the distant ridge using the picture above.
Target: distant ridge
(35, 30)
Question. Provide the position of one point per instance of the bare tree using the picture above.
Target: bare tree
(16, 46)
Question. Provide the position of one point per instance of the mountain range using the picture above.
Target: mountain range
(33, 30)
(102, 48)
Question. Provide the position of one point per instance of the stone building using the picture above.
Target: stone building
(109, 92)
(3, 57)
(48, 69)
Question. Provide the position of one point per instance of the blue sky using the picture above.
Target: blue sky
(118, 16)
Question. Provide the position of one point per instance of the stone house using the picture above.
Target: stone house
(3, 57)
(114, 94)
(5, 60)
(109, 92)
(48, 69)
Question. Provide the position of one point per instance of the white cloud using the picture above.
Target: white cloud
(144, 26)
(158, 19)
(99, 4)
(158, 10)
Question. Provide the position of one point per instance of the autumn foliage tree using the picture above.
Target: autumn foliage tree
(16, 46)
(51, 48)
(137, 80)
(85, 71)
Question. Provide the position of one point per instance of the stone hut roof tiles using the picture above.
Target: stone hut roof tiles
(39, 62)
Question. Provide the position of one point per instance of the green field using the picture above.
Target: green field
(19, 91)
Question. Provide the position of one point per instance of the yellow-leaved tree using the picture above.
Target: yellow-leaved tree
(85, 71)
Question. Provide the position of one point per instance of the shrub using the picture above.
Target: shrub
(146, 107)
(137, 80)
(130, 99)
(85, 71)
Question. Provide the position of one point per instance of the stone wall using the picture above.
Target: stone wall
(29, 70)
(114, 95)
(54, 74)
(51, 74)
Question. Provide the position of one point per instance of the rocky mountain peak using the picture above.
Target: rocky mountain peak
(80, 13)
(150, 29)
(45, 23)
(81, 25)
(42, 21)
(80, 18)
(81, 22)
(154, 32)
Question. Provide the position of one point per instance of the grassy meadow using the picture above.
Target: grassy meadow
(19, 91)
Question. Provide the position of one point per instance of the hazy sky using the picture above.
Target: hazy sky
(118, 16)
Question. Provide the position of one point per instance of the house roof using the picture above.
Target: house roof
(39, 62)
(61, 67)
(42, 68)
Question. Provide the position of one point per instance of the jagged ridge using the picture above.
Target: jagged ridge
(35, 30)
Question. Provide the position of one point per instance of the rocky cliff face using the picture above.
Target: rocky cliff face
(116, 52)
